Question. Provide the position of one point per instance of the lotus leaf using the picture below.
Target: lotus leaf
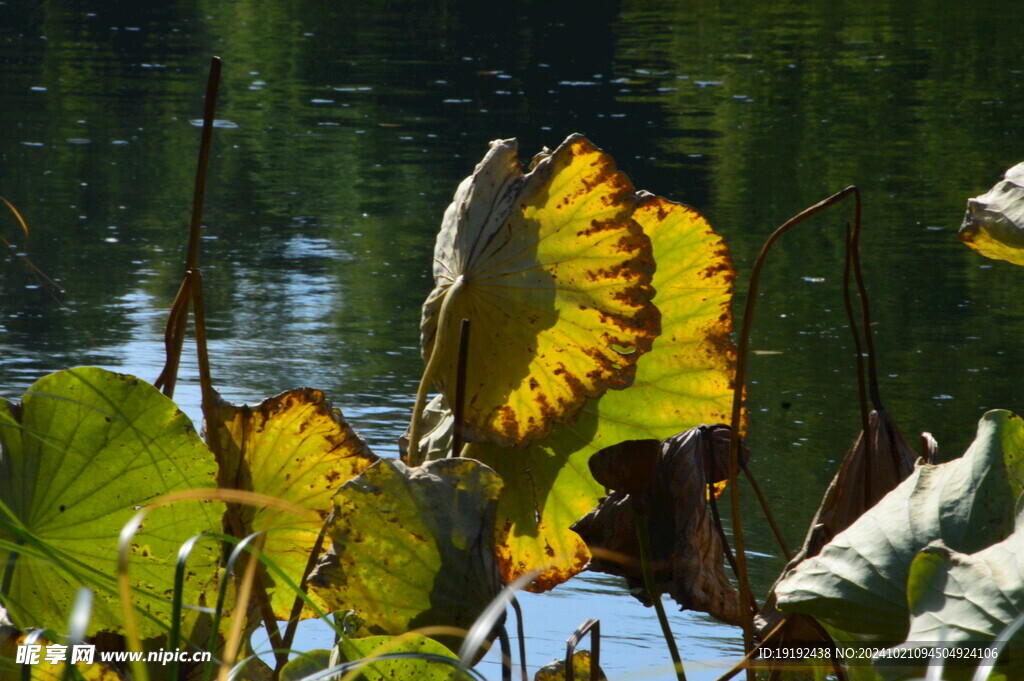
(84, 450)
(686, 548)
(294, 447)
(353, 649)
(965, 601)
(412, 547)
(306, 664)
(858, 583)
(555, 276)
(994, 223)
(684, 381)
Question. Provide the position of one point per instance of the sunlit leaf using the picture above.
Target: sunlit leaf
(294, 447)
(354, 649)
(858, 582)
(685, 380)
(555, 278)
(82, 453)
(412, 547)
(581, 663)
(994, 223)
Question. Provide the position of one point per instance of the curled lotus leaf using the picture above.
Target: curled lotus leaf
(686, 548)
(554, 274)
(994, 223)
(295, 447)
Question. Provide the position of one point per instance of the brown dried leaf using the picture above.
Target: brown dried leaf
(687, 549)
(861, 481)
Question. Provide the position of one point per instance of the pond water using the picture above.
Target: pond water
(344, 131)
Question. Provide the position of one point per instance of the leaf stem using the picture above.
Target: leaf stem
(862, 391)
(174, 336)
(433, 362)
(739, 390)
(643, 536)
(293, 616)
(865, 313)
(460, 388)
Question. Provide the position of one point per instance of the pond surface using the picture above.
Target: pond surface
(344, 130)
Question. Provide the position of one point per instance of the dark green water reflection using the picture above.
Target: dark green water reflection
(345, 129)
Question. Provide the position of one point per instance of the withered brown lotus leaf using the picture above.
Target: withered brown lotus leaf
(628, 466)
(861, 480)
(688, 556)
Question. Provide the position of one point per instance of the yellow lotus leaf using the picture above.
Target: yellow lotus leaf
(684, 381)
(555, 276)
(294, 447)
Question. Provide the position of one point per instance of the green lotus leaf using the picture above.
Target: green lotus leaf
(425, 669)
(294, 447)
(413, 547)
(684, 381)
(555, 274)
(859, 581)
(965, 601)
(306, 664)
(84, 450)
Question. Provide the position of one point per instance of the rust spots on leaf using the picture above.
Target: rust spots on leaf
(508, 423)
(598, 226)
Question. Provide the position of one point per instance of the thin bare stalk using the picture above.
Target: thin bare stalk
(199, 193)
(259, 592)
(746, 597)
(869, 342)
(234, 640)
(174, 336)
(293, 616)
(45, 282)
(643, 535)
(202, 353)
(460, 388)
(593, 627)
(862, 390)
(767, 512)
(522, 637)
